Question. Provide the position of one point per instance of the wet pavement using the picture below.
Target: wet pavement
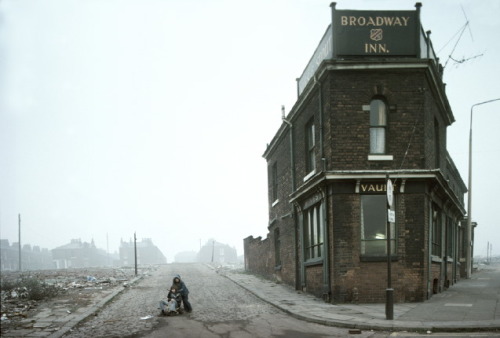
(469, 305)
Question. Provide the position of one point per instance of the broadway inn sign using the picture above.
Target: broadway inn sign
(375, 33)
(365, 34)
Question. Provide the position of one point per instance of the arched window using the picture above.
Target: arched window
(378, 125)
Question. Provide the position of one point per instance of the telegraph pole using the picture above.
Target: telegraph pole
(135, 253)
(19, 223)
(213, 248)
(469, 194)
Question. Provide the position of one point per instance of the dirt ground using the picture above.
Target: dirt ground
(75, 287)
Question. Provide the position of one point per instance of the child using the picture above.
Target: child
(172, 304)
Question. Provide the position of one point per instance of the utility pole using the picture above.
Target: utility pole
(469, 194)
(19, 222)
(135, 253)
(107, 249)
(213, 248)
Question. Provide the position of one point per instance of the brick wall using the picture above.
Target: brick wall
(258, 258)
(314, 280)
(348, 124)
(281, 212)
(436, 281)
(349, 271)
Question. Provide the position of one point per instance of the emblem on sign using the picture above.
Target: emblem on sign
(376, 34)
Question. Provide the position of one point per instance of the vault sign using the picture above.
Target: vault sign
(366, 33)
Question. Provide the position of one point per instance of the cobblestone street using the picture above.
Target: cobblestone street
(214, 299)
(220, 309)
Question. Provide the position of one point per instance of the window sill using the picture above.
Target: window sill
(394, 258)
(314, 261)
(436, 259)
(308, 176)
(380, 157)
(277, 268)
(275, 202)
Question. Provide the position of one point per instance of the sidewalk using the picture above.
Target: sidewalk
(469, 305)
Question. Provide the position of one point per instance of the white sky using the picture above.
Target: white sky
(150, 116)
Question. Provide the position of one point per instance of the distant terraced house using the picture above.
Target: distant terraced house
(32, 257)
(78, 254)
(147, 253)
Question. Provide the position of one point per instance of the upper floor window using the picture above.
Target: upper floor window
(310, 143)
(378, 126)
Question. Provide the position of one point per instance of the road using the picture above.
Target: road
(220, 309)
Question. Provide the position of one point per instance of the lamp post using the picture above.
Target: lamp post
(469, 195)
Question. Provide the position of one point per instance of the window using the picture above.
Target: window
(374, 226)
(436, 233)
(274, 179)
(310, 142)
(378, 124)
(313, 232)
(277, 247)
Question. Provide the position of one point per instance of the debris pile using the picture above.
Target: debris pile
(24, 293)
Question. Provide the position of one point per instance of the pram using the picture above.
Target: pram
(172, 306)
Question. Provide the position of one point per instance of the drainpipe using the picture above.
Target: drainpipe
(298, 222)
(292, 168)
(326, 244)
(324, 211)
(429, 253)
(320, 103)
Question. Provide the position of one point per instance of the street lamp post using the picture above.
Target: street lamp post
(469, 195)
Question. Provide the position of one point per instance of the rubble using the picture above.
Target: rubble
(75, 287)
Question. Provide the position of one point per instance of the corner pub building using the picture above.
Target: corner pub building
(371, 105)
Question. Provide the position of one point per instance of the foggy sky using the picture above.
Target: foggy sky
(152, 116)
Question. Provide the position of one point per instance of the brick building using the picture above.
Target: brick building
(147, 253)
(215, 252)
(32, 258)
(371, 105)
(79, 254)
